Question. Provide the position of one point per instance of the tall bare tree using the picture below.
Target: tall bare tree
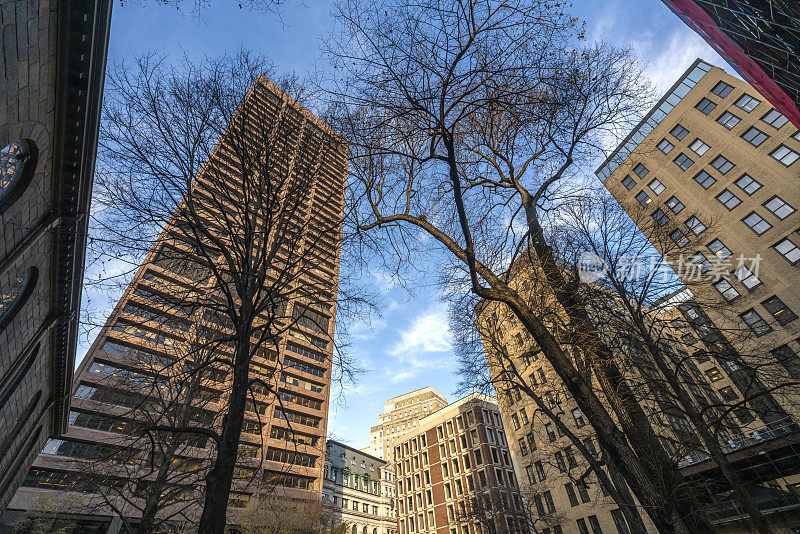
(467, 121)
(209, 172)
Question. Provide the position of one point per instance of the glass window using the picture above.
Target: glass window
(756, 323)
(675, 205)
(704, 179)
(679, 132)
(728, 199)
(719, 249)
(788, 250)
(754, 136)
(774, 119)
(699, 147)
(746, 277)
(728, 394)
(695, 225)
(747, 103)
(748, 184)
(656, 186)
(779, 310)
(660, 217)
(17, 164)
(714, 374)
(628, 182)
(705, 106)
(573, 501)
(756, 223)
(683, 161)
(679, 237)
(722, 164)
(619, 522)
(728, 120)
(778, 207)
(722, 89)
(787, 359)
(785, 155)
(725, 289)
(665, 146)
(14, 295)
(699, 259)
(643, 199)
(640, 170)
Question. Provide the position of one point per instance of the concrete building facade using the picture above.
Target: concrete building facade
(52, 65)
(358, 490)
(455, 474)
(155, 335)
(400, 415)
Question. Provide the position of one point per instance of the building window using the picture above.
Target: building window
(748, 184)
(722, 164)
(13, 296)
(643, 199)
(578, 416)
(756, 223)
(779, 310)
(619, 522)
(775, 119)
(747, 103)
(548, 501)
(705, 106)
(719, 249)
(728, 394)
(746, 277)
(551, 432)
(595, 524)
(701, 261)
(656, 186)
(573, 498)
(704, 179)
(628, 182)
(728, 120)
(695, 225)
(640, 170)
(788, 250)
(756, 323)
(754, 136)
(665, 146)
(744, 415)
(787, 359)
(679, 132)
(683, 161)
(699, 147)
(539, 471)
(17, 165)
(722, 89)
(582, 528)
(727, 291)
(679, 237)
(728, 199)
(778, 207)
(785, 155)
(660, 217)
(675, 205)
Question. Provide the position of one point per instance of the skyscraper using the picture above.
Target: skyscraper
(53, 60)
(759, 38)
(162, 360)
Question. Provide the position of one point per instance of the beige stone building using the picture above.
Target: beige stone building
(53, 63)
(455, 474)
(158, 332)
(400, 415)
(358, 490)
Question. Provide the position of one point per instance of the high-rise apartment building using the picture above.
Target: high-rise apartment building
(718, 166)
(156, 335)
(759, 38)
(358, 491)
(53, 62)
(401, 414)
(454, 472)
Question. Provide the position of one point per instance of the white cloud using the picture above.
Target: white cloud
(424, 345)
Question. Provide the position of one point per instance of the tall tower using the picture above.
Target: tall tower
(401, 414)
(161, 358)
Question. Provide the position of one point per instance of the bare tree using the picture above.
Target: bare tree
(216, 175)
(467, 121)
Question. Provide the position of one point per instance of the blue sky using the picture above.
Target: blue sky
(409, 345)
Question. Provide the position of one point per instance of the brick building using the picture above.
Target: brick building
(145, 363)
(358, 490)
(53, 61)
(455, 474)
